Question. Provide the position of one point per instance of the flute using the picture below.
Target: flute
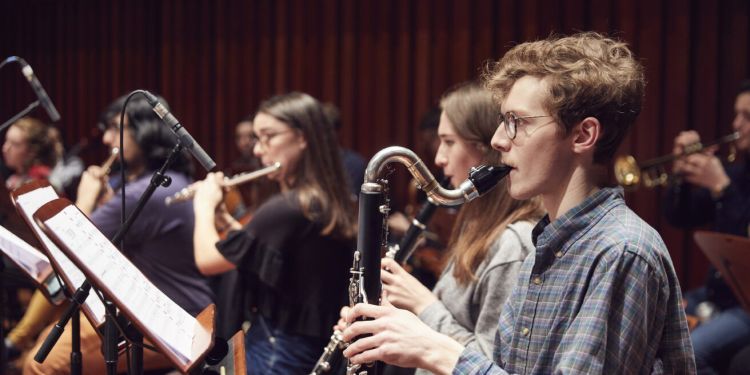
(107, 165)
(188, 193)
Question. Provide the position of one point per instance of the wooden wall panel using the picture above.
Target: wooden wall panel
(384, 63)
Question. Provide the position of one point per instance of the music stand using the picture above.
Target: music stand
(731, 256)
(33, 263)
(183, 339)
(27, 199)
(12, 221)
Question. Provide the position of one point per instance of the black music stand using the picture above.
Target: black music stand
(731, 256)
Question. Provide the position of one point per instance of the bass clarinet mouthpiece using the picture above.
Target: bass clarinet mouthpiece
(486, 177)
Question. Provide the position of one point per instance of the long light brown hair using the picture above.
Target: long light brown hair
(318, 178)
(471, 110)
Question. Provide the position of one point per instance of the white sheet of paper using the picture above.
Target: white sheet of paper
(31, 259)
(142, 298)
(30, 202)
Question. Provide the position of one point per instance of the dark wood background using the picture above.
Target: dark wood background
(384, 62)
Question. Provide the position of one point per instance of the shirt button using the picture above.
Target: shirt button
(537, 280)
(525, 331)
(558, 254)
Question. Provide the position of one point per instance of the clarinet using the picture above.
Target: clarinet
(373, 208)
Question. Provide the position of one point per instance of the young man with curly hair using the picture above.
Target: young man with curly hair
(599, 294)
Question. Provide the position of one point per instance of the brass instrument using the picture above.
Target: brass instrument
(629, 174)
(188, 193)
(365, 285)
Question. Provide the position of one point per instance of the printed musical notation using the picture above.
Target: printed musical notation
(123, 281)
(29, 203)
(24, 255)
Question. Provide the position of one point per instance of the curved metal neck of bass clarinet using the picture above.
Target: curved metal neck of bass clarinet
(481, 179)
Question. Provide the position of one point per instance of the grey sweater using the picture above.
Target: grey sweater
(470, 314)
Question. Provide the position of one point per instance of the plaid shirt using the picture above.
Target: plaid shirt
(599, 296)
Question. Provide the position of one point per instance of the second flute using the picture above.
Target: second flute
(187, 193)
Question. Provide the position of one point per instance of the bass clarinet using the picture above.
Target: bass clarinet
(400, 252)
(364, 284)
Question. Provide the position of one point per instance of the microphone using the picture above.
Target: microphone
(185, 139)
(39, 90)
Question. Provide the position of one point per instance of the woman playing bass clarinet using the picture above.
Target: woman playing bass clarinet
(486, 251)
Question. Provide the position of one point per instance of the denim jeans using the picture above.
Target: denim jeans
(269, 350)
(716, 341)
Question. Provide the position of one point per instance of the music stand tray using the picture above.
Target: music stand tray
(731, 256)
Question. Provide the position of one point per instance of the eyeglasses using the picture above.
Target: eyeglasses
(265, 139)
(511, 122)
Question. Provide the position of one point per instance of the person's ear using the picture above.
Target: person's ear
(586, 134)
(301, 141)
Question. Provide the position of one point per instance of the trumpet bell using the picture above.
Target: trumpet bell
(627, 172)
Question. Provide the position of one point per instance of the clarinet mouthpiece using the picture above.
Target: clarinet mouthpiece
(486, 177)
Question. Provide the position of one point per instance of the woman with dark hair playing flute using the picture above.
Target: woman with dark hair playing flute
(295, 253)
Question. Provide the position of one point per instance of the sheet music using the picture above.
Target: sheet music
(143, 299)
(30, 259)
(29, 203)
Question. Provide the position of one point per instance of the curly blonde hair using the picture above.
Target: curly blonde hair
(588, 75)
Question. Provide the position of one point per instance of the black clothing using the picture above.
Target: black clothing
(687, 206)
(295, 277)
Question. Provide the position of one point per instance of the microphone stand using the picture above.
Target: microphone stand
(110, 338)
(23, 112)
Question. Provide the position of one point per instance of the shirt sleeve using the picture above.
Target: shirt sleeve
(620, 319)
(473, 362)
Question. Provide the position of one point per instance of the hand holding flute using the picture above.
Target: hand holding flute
(93, 189)
(208, 195)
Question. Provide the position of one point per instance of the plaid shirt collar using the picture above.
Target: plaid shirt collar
(549, 237)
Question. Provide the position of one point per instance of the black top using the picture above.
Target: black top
(295, 277)
(687, 206)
